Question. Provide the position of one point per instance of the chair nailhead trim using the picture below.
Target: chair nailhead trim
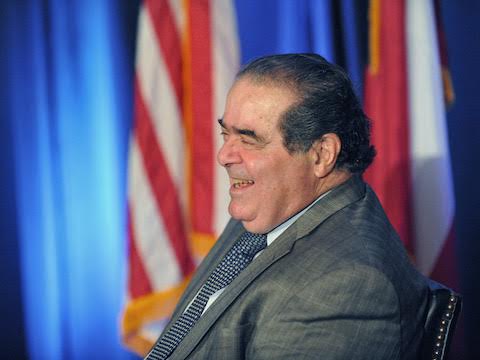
(443, 330)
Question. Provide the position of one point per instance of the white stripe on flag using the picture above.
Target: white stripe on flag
(431, 178)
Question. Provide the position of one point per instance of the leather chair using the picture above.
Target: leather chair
(443, 311)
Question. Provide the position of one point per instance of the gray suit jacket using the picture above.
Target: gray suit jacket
(337, 284)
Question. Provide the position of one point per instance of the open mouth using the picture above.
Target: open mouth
(241, 183)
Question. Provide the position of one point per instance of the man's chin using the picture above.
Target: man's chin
(239, 215)
(238, 212)
(250, 221)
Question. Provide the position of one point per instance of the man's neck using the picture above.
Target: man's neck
(332, 180)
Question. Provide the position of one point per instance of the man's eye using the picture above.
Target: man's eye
(247, 141)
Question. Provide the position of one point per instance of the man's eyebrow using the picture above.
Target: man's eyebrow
(245, 132)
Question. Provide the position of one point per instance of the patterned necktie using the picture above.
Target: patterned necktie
(232, 264)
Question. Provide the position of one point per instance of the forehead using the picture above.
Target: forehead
(256, 104)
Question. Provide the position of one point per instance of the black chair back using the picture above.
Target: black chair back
(443, 311)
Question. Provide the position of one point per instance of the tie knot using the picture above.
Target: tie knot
(251, 243)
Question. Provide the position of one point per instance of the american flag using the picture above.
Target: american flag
(187, 56)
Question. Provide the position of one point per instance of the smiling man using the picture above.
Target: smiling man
(309, 267)
(269, 182)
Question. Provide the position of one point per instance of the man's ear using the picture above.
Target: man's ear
(325, 153)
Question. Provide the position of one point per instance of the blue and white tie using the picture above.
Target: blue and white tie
(237, 259)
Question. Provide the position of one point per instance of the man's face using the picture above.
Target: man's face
(267, 183)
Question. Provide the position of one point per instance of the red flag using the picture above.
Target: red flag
(405, 99)
(186, 58)
(386, 103)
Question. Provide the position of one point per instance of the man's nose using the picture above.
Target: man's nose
(228, 153)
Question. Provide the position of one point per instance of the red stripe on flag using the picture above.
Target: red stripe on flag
(138, 281)
(386, 104)
(202, 135)
(169, 40)
(162, 184)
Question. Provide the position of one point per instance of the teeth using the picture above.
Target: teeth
(239, 183)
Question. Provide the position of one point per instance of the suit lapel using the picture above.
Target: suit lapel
(337, 199)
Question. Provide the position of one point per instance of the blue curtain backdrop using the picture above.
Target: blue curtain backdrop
(67, 68)
(66, 106)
